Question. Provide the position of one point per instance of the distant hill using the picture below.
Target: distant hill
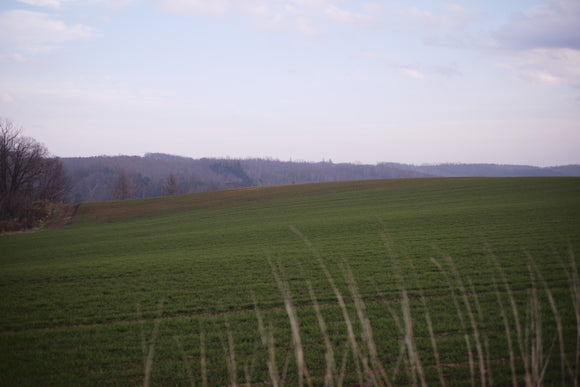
(488, 170)
(155, 174)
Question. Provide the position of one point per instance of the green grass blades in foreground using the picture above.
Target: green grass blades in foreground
(436, 281)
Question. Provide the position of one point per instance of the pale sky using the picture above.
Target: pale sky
(353, 81)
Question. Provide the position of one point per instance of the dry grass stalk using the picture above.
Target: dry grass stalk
(185, 361)
(295, 328)
(331, 372)
(470, 314)
(517, 323)
(249, 368)
(432, 338)
(508, 335)
(230, 354)
(574, 285)
(268, 342)
(461, 321)
(485, 338)
(534, 329)
(557, 317)
(575, 290)
(203, 357)
(149, 358)
(416, 368)
(411, 349)
(399, 325)
(248, 374)
(430, 329)
(376, 367)
(142, 331)
(349, 328)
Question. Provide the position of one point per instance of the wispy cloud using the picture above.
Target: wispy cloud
(547, 66)
(404, 68)
(56, 4)
(44, 3)
(446, 26)
(544, 42)
(6, 97)
(341, 16)
(450, 16)
(197, 7)
(554, 24)
(37, 31)
(305, 17)
(114, 4)
(414, 71)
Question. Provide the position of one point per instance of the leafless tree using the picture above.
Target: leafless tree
(170, 186)
(27, 174)
(124, 187)
(54, 183)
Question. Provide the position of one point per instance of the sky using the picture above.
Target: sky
(470, 81)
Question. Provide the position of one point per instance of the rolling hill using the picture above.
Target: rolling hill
(387, 282)
(96, 178)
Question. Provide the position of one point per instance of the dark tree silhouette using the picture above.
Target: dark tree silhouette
(124, 187)
(170, 186)
(27, 174)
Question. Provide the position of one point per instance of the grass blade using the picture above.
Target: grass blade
(295, 327)
(151, 351)
(329, 352)
(203, 357)
(185, 361)
(461, 321)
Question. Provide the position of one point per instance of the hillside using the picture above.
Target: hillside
(98, 178)
(465, 280)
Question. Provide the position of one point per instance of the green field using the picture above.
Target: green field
(412, 281)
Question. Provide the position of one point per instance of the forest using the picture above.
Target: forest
(156, 174)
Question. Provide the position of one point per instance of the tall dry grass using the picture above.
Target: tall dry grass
(149, 350)
(529, 346)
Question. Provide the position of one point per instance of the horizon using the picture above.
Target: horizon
(329, 161)
(368, 82)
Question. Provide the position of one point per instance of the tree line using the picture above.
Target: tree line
(158, 174)
(30, 179)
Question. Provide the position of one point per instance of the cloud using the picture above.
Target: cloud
(550, 66)
(554, 24)
(448, 71)
(115, 4)
(303, 16)
(405, 69)
(5, 97)
(543, 43)
(197, 7)
(414, 71)
(454, 17)
(341, 16)
(447, 27)
(37, 31)
(44, 3)
(18, 58)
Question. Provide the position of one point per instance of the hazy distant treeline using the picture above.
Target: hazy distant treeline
(156, 174)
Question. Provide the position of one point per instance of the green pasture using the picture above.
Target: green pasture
(212, 288)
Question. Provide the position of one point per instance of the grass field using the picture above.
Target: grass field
(413, 281)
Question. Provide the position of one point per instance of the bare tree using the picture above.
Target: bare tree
(54, 183)
(170, 186)
(27, 174)
(124, 187)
